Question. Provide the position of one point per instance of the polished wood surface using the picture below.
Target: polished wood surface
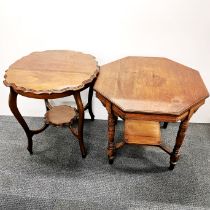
(145, 91)
(151, 85)
(142, 132)
(52, 71)
(49, 75)
(60, 115)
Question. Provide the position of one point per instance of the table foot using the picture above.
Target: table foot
(84, 155)
(14, 109)
(18, 116)
(30, 150)
(111, 161)
(111, 154)
(179, 140)
(82, 149)
(171, 167)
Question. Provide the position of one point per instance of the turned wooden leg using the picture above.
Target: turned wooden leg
(80, 109)
(179, 140)
(20, 119)
(90, 96)
(111, 133)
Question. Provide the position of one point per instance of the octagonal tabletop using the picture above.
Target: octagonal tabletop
(51, 71)
(150, 85)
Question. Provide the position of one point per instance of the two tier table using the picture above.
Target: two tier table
(49, 75)
(145, 91)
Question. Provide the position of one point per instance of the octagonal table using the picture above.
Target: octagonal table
(144, 91)
(53, 74)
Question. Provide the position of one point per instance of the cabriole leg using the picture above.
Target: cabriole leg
(80, 109)
(90, 96)
(20, 119)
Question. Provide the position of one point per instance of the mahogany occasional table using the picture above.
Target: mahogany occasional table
(144, 91)
(49, 75)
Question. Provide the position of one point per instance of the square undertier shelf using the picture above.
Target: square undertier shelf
(61, 115)
(142, 132)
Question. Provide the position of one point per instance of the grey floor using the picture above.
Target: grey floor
(56, 177)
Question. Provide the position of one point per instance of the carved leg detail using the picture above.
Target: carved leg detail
(179, 140)
(80, 109)
(18, 116)
(90, 96)
(111, 133)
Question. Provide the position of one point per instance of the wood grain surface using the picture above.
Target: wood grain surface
(52, 71)
(142, 132)
(60, 115)
(151, 85)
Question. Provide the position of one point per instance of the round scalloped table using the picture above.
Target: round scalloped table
(49, 75)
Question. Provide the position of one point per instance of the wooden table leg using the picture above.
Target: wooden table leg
(47, 105)
(80, 109)
(90, 96)
(111, 133)
(179, 140)
(89, 103)
(18, 116)
(20, 119)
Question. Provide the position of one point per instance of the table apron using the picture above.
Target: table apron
(51, 95)
(147, 116)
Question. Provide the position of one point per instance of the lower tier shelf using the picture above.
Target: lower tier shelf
(142, 132)
(60, 115)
